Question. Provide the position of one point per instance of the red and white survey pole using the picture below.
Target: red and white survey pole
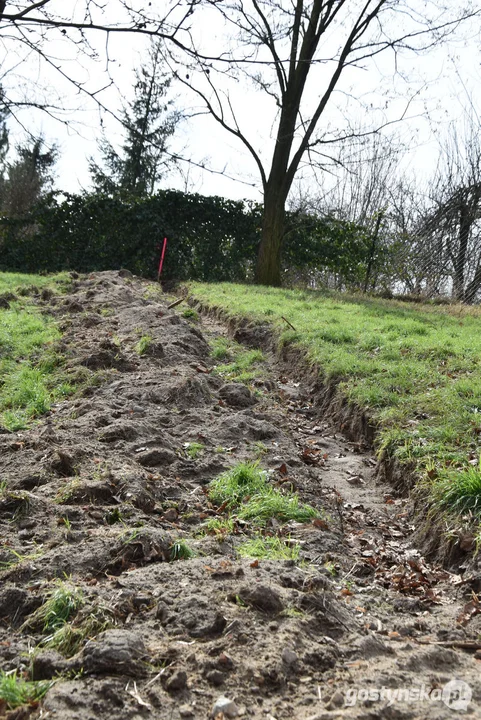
(164, 246)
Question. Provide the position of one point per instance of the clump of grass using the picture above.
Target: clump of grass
(194, 449)
(269, 548)
(245, 488)
(260, 448)
(61, 603)
(113, 516)
(233, 486)
(14, 558)
(15, 691)
(220, 526)
(274, 504)
(244, 368)
(144, 344)
(459, 490)
(70, 637)
(191, 314)
(180, 550)
(221, 349)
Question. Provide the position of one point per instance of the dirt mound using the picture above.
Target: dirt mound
(106, 498)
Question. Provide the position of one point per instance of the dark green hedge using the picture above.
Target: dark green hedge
(209, 238)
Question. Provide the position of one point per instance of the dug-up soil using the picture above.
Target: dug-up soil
(99, 493)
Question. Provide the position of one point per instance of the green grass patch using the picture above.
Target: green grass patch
(221, 349)
(15, 691)
(61, 603)
(245, 367)
(143, 345)
(269, 548)
(233, 486)
(180, 550)
(459, 490)
(30, 368)
(415, 369)
(194, 449)
(245, 489)
(191, 314)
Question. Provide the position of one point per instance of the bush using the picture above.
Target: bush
(209, 238)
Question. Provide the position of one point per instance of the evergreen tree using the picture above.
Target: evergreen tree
(148, 123)
(29, 177)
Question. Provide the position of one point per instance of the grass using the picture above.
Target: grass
(180, 550)
(245, 489)
(233, 486)
(221, 348)
(269, 548)
(70, 637)
(191, 314)
(194, 449)
(220, 526)
(64, 621)
(144, 344)
(15, 691)
(460, 490)
(415, 370)
(245, 365)
(30, 369)
(61, 603)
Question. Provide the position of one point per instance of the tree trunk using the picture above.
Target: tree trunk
(268, 267)
(465, 222)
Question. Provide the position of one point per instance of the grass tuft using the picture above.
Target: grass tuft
(62, 602)
(180, 550)
(237, 483)
(459, 490)
(144, 344)
(269, 548)
(15, 691)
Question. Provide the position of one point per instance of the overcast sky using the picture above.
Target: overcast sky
(440, 82)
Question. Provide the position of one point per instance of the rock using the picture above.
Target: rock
(47, 664)
(289, 657)
(237, 395)
(156, 457)
(63, 464)
(177, 681)
(225, 662)
(155, 350)
(225, 706)
(115, 652)
(336, 701)
(215, 677)
(186, 711)
(262, 598)
(207, 623)
(170, 515)
(371, 647)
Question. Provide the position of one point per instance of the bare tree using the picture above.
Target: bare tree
(296, 52)
(293, 51)
(452, 227)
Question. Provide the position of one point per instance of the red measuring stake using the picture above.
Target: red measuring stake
(164, 246)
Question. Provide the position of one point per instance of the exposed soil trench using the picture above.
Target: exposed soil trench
(360, 627)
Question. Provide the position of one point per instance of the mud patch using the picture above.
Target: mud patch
(111, 492)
